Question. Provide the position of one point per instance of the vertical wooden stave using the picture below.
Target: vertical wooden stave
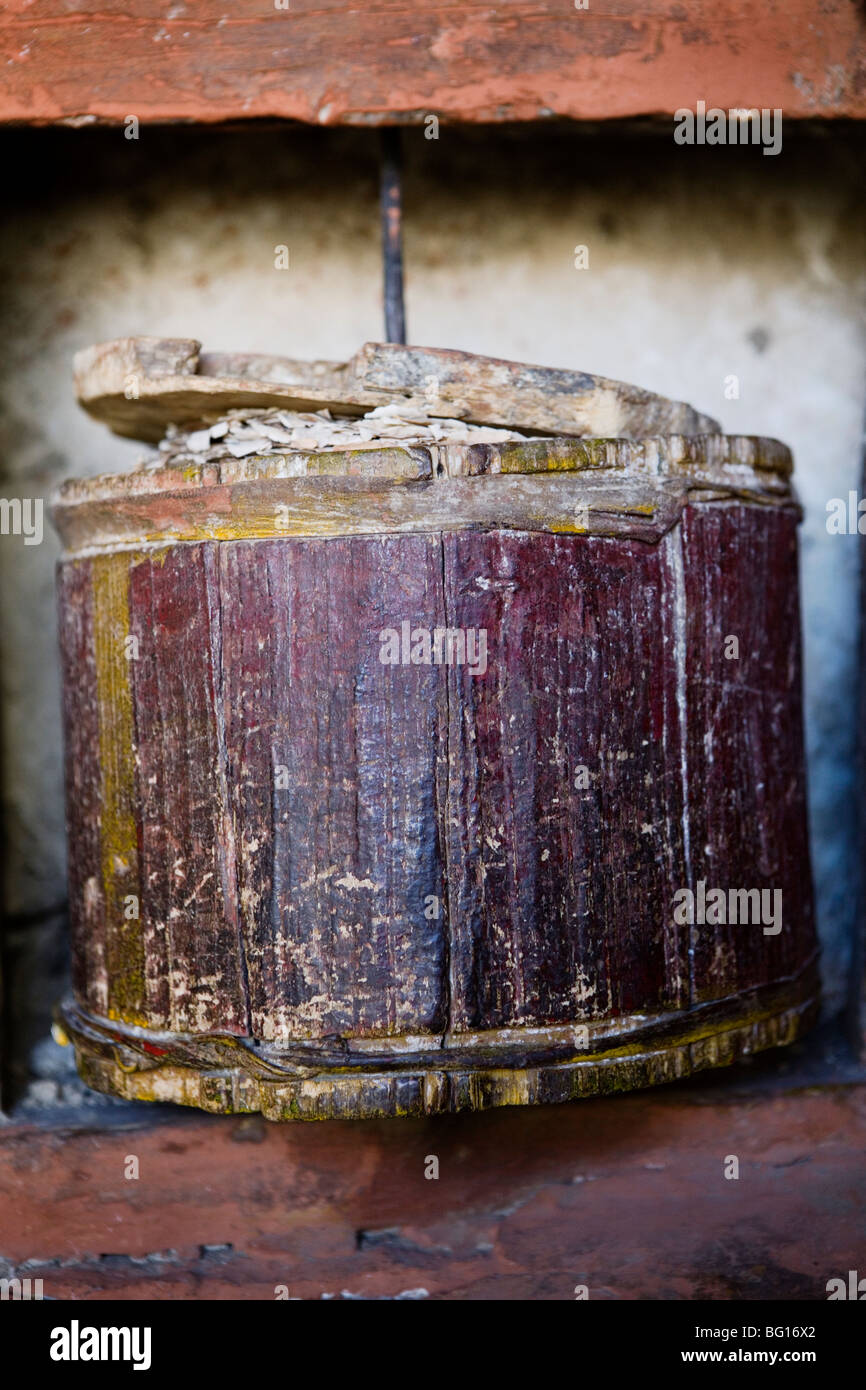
(119, 791)
(745, 739)
(187, 856)
(87, 918)
(349, 851)
(574, 940)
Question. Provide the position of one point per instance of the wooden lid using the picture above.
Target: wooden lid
(141, 386)
(558, 451)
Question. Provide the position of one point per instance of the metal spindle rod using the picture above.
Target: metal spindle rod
(392, 235)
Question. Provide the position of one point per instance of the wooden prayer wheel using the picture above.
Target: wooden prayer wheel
(406, 777)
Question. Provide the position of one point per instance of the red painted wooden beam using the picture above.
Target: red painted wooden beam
(335, 63)
(628, 1197)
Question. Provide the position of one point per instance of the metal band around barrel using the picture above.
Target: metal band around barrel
(333, 1078)
(634, 490)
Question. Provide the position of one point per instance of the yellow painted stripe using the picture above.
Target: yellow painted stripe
(124, 954)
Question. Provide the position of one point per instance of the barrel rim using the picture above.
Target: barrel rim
(632, 488)
(654, 455)
(433, 1084)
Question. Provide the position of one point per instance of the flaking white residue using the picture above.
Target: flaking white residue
(674, 545)
(92, 896)
(316, 877)
(584, 989)
(350, 881)
(255, 432)
(197, 890)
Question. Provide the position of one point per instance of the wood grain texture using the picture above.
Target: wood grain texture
(119, 792)
(565, 799)
(747, 793)
(190, 911)
(610, 487)
(333, 762)
(140, 386)
(81, 763)
(422, 885)
(333, 63)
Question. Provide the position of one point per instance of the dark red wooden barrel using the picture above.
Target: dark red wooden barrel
(412, 779)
